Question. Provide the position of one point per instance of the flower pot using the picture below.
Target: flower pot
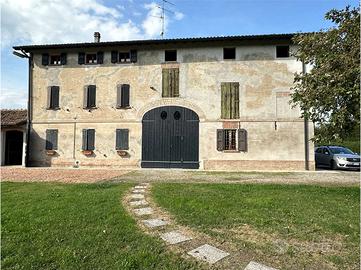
(50, 152)
(88, 152)
(122, 153)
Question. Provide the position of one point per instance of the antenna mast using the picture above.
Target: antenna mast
(162, 17)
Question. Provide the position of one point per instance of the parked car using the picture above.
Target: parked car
(336, 157)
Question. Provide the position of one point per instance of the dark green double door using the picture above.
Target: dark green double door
(170, 138)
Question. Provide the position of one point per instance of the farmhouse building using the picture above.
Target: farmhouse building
(208, 103)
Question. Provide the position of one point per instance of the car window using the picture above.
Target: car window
(319, 150)
(325, 150)
(340, 150)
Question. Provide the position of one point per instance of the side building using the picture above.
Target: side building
(209, 103)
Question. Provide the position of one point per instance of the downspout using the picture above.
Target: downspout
(30, 107)
(305, 122)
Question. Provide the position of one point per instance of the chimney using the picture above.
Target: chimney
(96, 37)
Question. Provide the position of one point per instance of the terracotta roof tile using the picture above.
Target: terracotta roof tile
(13, 117)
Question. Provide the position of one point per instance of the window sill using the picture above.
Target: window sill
(230, 151)
(53, 109)
(55, 65)
(90, 108)
(123, 108)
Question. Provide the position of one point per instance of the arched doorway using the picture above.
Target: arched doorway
(170, 138)
(13, 147)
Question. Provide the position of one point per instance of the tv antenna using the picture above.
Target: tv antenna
(162, 16)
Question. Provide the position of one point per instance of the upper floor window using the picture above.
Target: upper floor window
(229, 53)
(124, 56)
(230, 100)
(53, 98)
(90, 58)
(170, 82)
(170, 55)
(89, 97)
(123, 92)
(282, 51)
(54, 59)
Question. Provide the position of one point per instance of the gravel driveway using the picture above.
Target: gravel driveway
(20, 174)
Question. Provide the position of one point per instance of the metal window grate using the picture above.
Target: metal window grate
(230, 139)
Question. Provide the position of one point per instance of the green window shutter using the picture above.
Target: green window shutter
(51, 139)
(242, 140)
(90, 139)
(175, 82)
(63, 58)
(122, 139)
(54, 97)
(220, 140)
(234, 101)
(85, 140)
(165, 84)
(45, 59)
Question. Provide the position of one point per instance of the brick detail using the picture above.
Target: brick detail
(230, 125)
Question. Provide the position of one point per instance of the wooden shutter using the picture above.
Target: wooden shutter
(220, 139)
(122, 139)
(114, 56)
(81, 58)
(125, 95)
(90, 139)
(230, 100)
(133, 56)
(84, 140)
(100, 57)
(85, 97)
(234, 102)
(45, 59)
(91, 96)
(51, 139)
(242, 140)
(48, 100)
(170, 82)
(165, 83)
(54, 102)
(63, 58)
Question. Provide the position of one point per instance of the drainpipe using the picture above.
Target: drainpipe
(305, 122)
(30, 108)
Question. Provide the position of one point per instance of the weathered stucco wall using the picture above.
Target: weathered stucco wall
(264, 102)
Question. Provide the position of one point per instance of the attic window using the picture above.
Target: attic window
(282, 51)
(170, 55)
(91, 58)
(55, 60)
(124, 57)
(229, 53)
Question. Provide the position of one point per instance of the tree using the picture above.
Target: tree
(329, 94)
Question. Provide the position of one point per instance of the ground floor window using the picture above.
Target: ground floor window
(232, 140)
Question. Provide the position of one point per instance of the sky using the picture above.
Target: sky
(61, 21)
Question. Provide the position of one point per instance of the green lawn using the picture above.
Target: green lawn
(78, 226)
(311, 225)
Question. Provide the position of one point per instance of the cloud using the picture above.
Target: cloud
(57, 21)
(178, 15)
(13, 98)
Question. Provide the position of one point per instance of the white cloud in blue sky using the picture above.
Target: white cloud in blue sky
(62, 21)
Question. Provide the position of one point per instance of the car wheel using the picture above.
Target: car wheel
(333, 165)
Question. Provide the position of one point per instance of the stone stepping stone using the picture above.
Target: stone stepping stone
(140, 187)
(137, 196)
(174, 237)
(208, 253)
(138, 191)
(139, 203)
(143, 211)
(153, 223)
(257, 266)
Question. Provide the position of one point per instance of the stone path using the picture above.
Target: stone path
(175, 235)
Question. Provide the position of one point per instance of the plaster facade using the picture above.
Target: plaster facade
(275, 129)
